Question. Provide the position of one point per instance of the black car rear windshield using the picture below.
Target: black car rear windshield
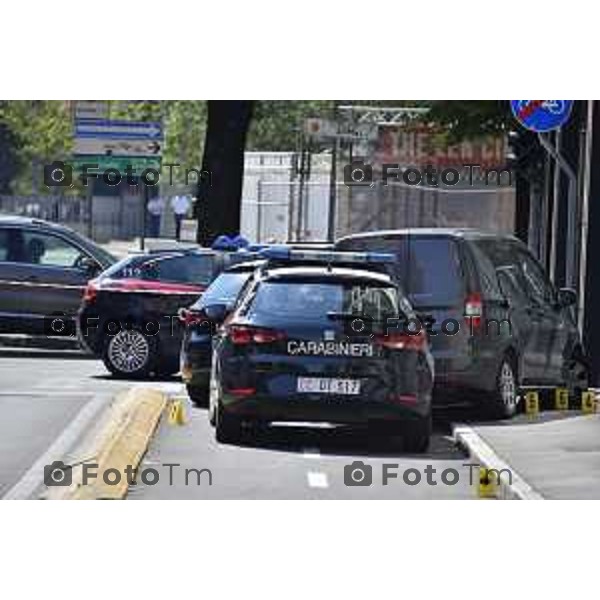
(310, 301)
(197, 269)
(428, 268)
(224, 289)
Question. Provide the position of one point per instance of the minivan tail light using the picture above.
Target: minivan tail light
(241, 335)
(397, 340)
(473, 310)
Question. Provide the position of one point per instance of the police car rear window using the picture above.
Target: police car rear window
(309, 301)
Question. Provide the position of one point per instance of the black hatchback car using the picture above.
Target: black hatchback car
(290, 352)
(130, 315)
(44, 268)
(196, 348)
(497, 324)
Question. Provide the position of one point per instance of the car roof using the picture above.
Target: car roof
(456, 232)
(20, 220)
(325, 272)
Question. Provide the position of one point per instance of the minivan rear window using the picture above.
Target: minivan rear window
(428, 268)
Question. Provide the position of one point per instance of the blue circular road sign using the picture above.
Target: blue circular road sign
(541, 115)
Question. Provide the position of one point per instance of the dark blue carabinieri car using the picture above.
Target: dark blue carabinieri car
(321, 342)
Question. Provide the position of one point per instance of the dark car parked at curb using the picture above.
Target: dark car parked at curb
(497, 324)
(129, 314)
(196, 348)
(44, 268)
(287, 352)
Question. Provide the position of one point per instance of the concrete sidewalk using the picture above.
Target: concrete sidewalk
(557, 454)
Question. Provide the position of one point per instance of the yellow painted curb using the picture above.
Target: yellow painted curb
(122, 441)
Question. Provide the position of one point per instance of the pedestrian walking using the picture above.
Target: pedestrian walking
(180, 205)
(156, 207)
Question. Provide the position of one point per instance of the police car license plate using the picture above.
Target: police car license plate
(328, 385)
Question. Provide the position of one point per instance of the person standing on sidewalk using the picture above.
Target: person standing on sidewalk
(156, 207)
(181, 206)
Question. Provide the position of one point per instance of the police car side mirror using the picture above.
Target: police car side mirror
(216, 313)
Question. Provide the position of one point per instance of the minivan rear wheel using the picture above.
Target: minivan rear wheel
(506, 395)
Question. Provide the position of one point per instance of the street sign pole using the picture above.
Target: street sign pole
(332, 193)
(570, 275)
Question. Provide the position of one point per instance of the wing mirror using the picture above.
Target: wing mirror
(89, 266)
(216, 313)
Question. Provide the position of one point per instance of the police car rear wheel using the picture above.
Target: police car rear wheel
(228, 428)
(198, 394)
(417, 435)
(129, 353)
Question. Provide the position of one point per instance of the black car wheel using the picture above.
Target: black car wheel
(198, 394)
(228, 428)
(576, 376)
(130, 353)
(506, 395)
(417, 435)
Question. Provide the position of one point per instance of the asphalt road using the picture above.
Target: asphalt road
(296, 463)
(48, 400)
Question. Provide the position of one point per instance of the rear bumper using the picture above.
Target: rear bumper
(345, 410)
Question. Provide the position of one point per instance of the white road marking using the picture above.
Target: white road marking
(34, 477)
(317, 480)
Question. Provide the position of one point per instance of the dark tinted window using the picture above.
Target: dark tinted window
(309, 301)
(187, 268)
(224, 289)
(4, 244)
(428, 269)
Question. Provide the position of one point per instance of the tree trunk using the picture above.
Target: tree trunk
(219, 199)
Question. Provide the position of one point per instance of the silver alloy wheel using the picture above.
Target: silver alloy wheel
(507, 388)
(128, 351)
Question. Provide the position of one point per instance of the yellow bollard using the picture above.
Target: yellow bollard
(588, 402)
(177, 413)
(561, 399)
(488, 483)
(532, 403)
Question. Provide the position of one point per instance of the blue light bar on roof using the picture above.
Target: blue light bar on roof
(285, 253)
(224, 242)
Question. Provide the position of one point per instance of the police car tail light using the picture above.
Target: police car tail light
(241, 335)
(473, 310)
(397, 340)
(90, 292)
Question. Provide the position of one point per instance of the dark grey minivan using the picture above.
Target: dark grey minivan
(497, 324)
(44, 268)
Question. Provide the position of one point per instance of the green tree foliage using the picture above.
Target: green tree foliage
(42, 132)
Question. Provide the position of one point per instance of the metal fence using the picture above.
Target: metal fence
(71, 211)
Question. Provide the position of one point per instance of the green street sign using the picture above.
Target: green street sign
(120, 163)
